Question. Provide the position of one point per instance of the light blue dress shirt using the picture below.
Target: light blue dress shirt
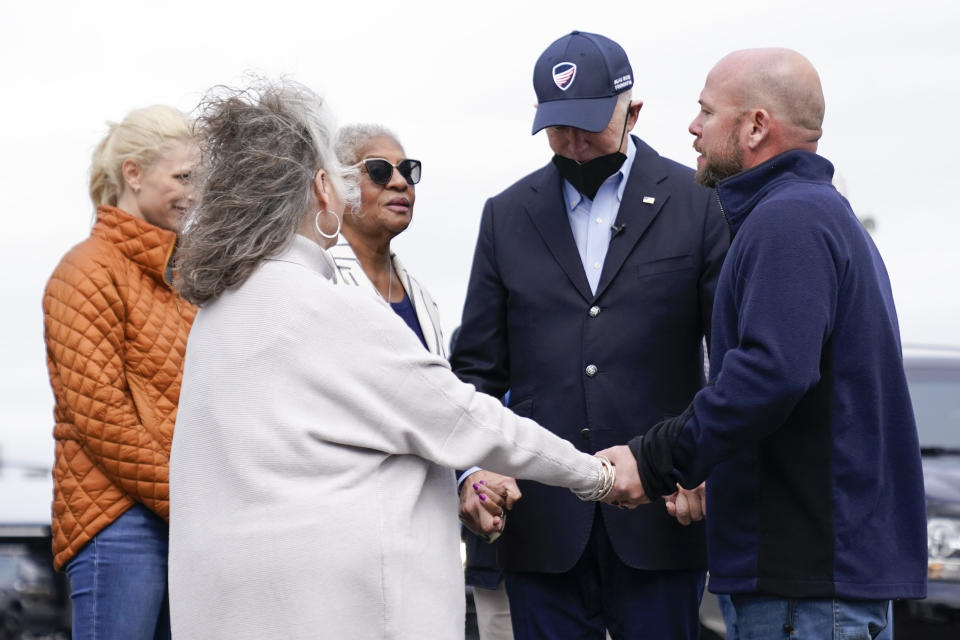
(590, 220)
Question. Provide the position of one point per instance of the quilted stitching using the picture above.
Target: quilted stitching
(116, 335)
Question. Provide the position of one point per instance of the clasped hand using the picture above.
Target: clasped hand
(485, 497)
(686, 505)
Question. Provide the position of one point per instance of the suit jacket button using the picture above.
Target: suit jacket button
(591, 370)
(594, 311)
(585, 433)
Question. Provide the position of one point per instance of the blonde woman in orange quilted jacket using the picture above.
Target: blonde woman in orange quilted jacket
(116, 334)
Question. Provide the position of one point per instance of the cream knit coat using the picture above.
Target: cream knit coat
(311, 486)
(350, 274)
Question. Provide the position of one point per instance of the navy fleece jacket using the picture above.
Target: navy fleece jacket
(806, 434)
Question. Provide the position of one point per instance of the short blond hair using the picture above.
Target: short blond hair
(143, 136)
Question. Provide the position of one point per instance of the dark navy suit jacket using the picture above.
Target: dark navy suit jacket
(531, 325)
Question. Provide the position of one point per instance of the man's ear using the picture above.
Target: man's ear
(757, 127)
(132, 174)
(634, 110)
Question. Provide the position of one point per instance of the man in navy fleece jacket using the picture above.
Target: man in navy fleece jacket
(806, 434)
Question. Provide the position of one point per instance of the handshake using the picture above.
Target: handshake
(485, 497)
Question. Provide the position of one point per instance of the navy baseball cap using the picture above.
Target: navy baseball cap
(578, 79)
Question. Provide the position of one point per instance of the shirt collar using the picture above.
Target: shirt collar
(305, 252)
(573, 197)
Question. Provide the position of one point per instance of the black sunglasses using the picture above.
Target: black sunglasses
(381, 171)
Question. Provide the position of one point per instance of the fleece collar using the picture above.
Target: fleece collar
(739, 194)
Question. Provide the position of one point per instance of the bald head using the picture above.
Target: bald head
(756, 104)
(781, 81)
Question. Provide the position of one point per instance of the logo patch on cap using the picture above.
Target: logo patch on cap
(563, 75)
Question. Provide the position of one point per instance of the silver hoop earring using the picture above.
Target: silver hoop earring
(316, 223)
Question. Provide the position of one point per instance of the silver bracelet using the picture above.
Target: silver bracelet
(608, 473)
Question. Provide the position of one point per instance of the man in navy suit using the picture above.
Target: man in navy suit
(590, 295)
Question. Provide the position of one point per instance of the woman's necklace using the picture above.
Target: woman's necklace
(390, 280)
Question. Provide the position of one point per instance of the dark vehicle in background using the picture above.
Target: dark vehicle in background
(934, 377)
(34, 599)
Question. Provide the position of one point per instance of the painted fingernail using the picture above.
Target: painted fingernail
(475, 487)
(482, 482)
(483, 497)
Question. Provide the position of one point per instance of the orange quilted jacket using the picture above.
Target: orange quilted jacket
(116, 334)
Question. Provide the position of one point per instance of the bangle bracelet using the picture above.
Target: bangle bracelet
(605, 480)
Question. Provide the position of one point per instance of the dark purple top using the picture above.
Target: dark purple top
(405, 310)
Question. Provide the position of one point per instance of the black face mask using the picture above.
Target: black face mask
(586, 177)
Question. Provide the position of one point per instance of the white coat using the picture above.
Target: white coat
(311, 486)
(350, 273)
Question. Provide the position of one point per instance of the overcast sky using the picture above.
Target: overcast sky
(454, 81)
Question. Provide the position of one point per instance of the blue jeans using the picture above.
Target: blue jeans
(118, 581)
(770, 618)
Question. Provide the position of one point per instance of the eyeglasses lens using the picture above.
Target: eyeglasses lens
(410, 170)
(381, 171)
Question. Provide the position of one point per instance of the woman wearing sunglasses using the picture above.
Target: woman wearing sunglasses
(387, 180)
(311, 487)
(364, 259)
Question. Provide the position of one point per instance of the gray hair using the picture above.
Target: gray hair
(262, 147)
(353, 138)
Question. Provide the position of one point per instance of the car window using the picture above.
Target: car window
(8, 569)
(935, 391)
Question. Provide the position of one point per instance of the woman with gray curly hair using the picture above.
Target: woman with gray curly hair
(311, 485)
